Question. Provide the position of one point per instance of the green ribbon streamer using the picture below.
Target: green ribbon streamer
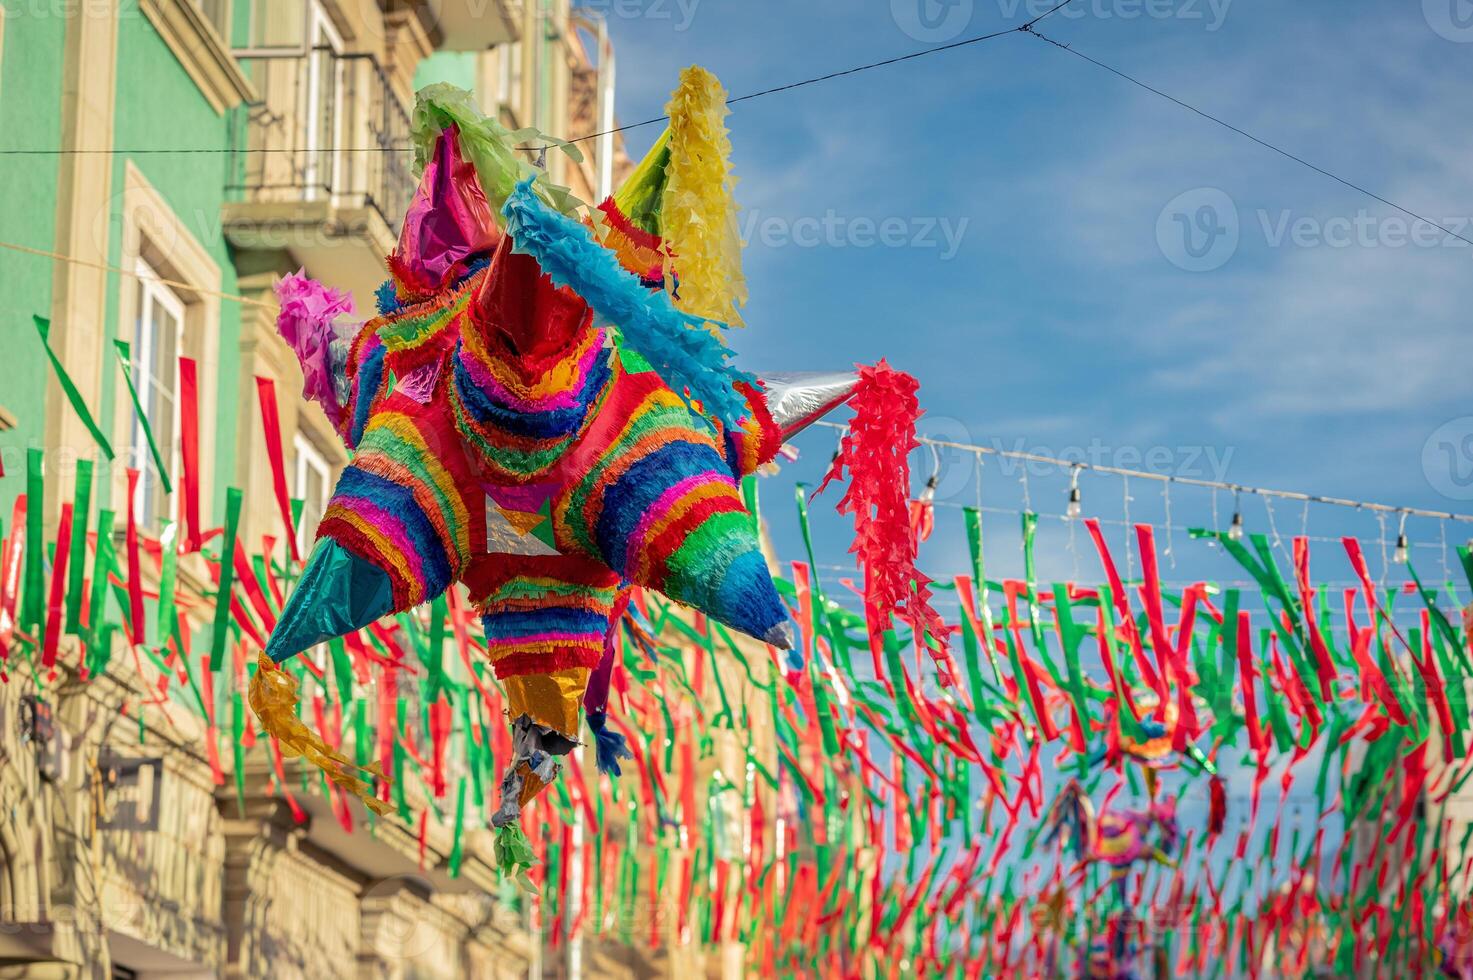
(43, 327)
(227, 579)
(99, 645)
(76, 567)
(456, 845)
(167, 623)
(124, 355)
(979, 578)
(33, 596)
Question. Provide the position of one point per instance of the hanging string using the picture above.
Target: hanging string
(1129, 554)
(1273, 529)
(175, 283)
(1023, 479)
(1073, 549)
(1447, 572)
(1235, 488)
(1166, 498)
(1385, 560)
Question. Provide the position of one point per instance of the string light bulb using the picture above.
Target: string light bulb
(1235, 529)
(1074, 509)
(1399, 556)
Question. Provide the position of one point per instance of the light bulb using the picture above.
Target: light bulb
(929, 494)
(1400, 554)
(1235, 529)
(1073, 509)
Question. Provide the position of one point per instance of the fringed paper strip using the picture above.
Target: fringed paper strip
(308, 309)
(874, 450)
(273, 697)
(488, 145)
(698, 213)
(693, 362)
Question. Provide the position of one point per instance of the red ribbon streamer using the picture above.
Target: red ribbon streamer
(271, 422)
(57, 597)
(135, 566)
(189, 451)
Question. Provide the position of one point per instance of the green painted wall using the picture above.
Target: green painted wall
(456, 67)
(159, 105)
(30, 118)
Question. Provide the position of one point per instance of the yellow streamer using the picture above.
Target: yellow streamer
(698, 216)
(273, 697)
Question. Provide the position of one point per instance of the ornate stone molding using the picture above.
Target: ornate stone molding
(201, 51)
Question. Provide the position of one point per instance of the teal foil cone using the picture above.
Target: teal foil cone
(337, 594)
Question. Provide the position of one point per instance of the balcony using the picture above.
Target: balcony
(321, 175)
(464, 25)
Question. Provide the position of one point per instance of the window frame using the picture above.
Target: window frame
(153, 295)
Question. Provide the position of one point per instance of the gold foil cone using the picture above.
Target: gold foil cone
(550, 700)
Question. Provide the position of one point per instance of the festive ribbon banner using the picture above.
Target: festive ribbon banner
(914, 821)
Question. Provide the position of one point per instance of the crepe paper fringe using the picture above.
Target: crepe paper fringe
(698, 214)
(692, 361)
(489, 146)
(521, 429)
(638, 251)
(610, 745)
(874, 452)
(273, 697)
(660, 505)
(405, 502)
(305, 322)
(543, 613)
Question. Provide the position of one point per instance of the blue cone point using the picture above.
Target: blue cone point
(337, 594)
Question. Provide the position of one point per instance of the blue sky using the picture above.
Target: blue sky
(1321, 353)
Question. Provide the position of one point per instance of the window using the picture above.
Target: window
(157, 337)
(312, 487)
(217, 14)
(509, 63)
(323, 108)
(278, 26)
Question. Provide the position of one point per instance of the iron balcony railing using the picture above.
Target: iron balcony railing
(329, 127)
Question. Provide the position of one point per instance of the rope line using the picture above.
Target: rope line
(1184, 480)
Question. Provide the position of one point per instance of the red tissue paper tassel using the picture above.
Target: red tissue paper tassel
(875, 452)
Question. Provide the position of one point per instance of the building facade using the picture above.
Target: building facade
(167, 161)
